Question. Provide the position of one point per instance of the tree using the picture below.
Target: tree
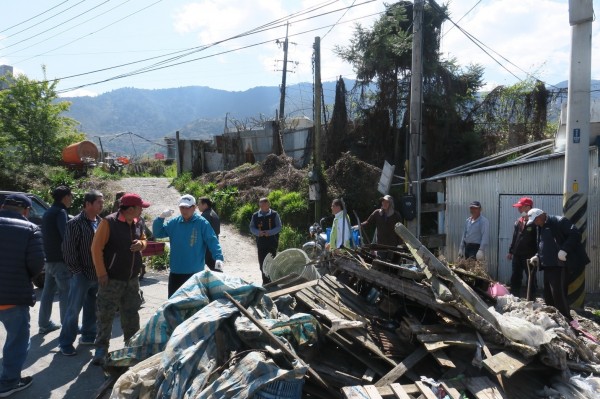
(510, 116)
(32, 129)
(382, 55)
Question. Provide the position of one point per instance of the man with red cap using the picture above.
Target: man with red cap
(116, 252)
(522, 247)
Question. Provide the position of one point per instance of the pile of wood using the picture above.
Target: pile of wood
(410, 327)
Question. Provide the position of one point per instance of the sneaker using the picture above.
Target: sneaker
(51, 327)
(25, 382)
(99, 357)
(68, 351)
(85, 341)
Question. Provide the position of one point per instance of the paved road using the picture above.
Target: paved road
(56, 376)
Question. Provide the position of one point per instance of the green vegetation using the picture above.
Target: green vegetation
(158, 262)
(292, 207)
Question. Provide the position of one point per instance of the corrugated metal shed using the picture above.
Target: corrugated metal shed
(498, 187)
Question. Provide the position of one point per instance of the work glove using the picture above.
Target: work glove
(535, 261)
(479, 255)
(219, 266)
(166, 213)
(562, 255)
(355, 228)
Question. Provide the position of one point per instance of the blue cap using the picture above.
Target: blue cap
(20, 200)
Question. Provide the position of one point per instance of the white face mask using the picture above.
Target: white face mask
(523, 214)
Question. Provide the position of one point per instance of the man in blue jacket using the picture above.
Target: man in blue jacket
(559, 248)
(189, 235)
(22, 259)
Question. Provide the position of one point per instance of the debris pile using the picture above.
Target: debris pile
(397, 325)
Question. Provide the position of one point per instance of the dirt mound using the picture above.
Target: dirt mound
(356, 181)
(256, 180)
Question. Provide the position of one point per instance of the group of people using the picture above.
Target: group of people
(94, 264)
(549, 243)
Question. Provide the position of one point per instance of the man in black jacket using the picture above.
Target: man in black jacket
(22, 258)
(559, 248)
(208, 213)
(58, 276)
(265, 226)
(522, 247)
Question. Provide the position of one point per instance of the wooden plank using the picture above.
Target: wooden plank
(402, 367)
(400, 270)
(410, 289)
(361, 392)
(425, 390)
(464, 337)
(292, 290)
(442, 358)
(484, 388)
(468, 295)
(435, 346)
(369, 375)
(410, 389)
(452, 388)
(355, 392)
(399, 391)
(505, 363)
(372, 392)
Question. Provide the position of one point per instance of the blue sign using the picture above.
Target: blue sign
(576, 136)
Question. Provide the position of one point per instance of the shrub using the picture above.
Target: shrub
(290, 237)
(242, 216)
(159, 262)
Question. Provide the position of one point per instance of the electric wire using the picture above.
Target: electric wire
(34, 17)
(40, 22)
(461, 18)
(159, 67)
(98, 30)
(56, 26)
(339, 19)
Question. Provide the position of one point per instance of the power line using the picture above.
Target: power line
(98, 30)
(461, 18)
(34, 17)
(339, 19)
(58, 25)
(158, 66)
(37, 23)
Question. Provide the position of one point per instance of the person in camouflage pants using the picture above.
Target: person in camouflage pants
(116, 251)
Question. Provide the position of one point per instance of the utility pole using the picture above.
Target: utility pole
(577, 150)
(416, 100)
(317, 126)
(279, 125)
(283, 76)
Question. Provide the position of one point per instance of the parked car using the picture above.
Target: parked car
(38, 208)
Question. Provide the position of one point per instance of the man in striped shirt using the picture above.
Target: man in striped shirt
(77, 253)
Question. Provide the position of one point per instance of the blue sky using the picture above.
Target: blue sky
(82, 36)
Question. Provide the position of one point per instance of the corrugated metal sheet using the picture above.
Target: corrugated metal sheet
(495, 189)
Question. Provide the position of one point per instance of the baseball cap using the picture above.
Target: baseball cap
(386, 197)
(19, 200)
(187, 201)
(525, 201)
(131, 199)
(475, 204)
(532, 214)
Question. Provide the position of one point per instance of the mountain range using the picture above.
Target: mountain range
(196, 112)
